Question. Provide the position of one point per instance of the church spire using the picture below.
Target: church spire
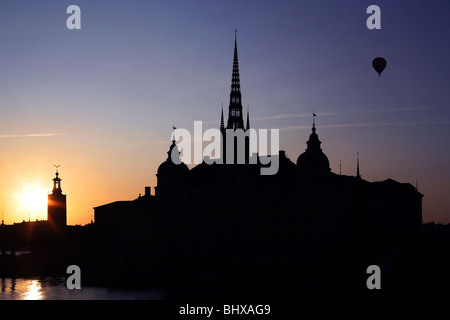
(235, 118)
(357, 166)
(235, 83)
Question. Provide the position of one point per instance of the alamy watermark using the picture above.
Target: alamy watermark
(74, 280)
(233, 146)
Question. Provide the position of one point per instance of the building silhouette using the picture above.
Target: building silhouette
(223, 228)
(228, 221)
(57, 207)
(41, 247)
(31, 235)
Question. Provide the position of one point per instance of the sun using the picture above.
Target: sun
(32, 200)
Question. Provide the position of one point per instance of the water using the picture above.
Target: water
(51, 288)
(17, 253)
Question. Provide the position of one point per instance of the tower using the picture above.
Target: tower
(57, 209)
(235, 124)
(235, 117)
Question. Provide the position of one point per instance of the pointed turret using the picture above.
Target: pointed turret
(248, 119)
(357, 166)
(222, 123)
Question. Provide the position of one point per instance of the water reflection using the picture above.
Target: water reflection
(54, 288)
(33, 290)
(8, 286)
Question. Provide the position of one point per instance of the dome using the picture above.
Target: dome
(173, 170)
(313, 160)
(173, 163)
(168, 167)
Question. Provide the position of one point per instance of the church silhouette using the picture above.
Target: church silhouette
(227, 226)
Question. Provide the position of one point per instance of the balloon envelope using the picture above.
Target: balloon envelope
(379, 64)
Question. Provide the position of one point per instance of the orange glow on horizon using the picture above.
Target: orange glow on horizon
(91, 176)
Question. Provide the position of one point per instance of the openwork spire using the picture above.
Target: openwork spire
(235, 82)
(235, 117)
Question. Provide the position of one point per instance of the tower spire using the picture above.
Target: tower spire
(235, 118)
(235, 82)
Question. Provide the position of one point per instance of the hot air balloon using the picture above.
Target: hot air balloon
(379, 64)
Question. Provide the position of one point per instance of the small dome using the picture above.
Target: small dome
(168, 167)
(173, 170)
(313, 160)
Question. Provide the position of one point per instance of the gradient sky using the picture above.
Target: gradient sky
(101, 101)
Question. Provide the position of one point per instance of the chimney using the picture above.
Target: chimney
(147, 191)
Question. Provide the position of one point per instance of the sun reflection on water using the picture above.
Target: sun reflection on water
(33, 290)
(55, 288)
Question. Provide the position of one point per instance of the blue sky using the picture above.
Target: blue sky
(101, 101)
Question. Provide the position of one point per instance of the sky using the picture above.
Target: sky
(101, 101)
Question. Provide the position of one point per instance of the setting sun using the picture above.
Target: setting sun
(32, 200)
